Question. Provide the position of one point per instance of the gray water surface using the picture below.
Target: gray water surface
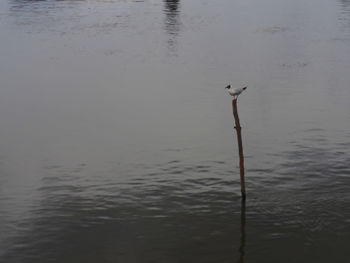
(117, 140)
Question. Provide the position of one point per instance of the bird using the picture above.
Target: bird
(235, 92)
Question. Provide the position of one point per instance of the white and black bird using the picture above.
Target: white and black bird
(235, 92)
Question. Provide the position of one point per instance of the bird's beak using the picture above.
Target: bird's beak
(227, 87)
(245, 88)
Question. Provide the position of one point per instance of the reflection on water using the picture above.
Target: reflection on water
(243, 232)
(172, 23)
(113, 151)
(345, 3)
(345, 17)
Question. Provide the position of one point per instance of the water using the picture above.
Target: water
(117, 140)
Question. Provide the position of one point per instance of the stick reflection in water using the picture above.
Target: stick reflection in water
(243, 232)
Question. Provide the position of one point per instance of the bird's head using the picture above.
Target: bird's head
(245, 88)
(228, 87)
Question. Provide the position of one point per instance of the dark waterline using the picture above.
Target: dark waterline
(117, 140)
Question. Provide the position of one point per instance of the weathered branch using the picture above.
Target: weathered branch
(240, 147)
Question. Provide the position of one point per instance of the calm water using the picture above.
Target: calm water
(117, 140)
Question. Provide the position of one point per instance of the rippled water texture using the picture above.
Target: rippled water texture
(117, 140)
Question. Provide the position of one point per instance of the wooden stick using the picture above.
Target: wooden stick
(240, 146)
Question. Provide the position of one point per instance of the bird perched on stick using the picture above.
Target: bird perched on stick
(234, 91)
